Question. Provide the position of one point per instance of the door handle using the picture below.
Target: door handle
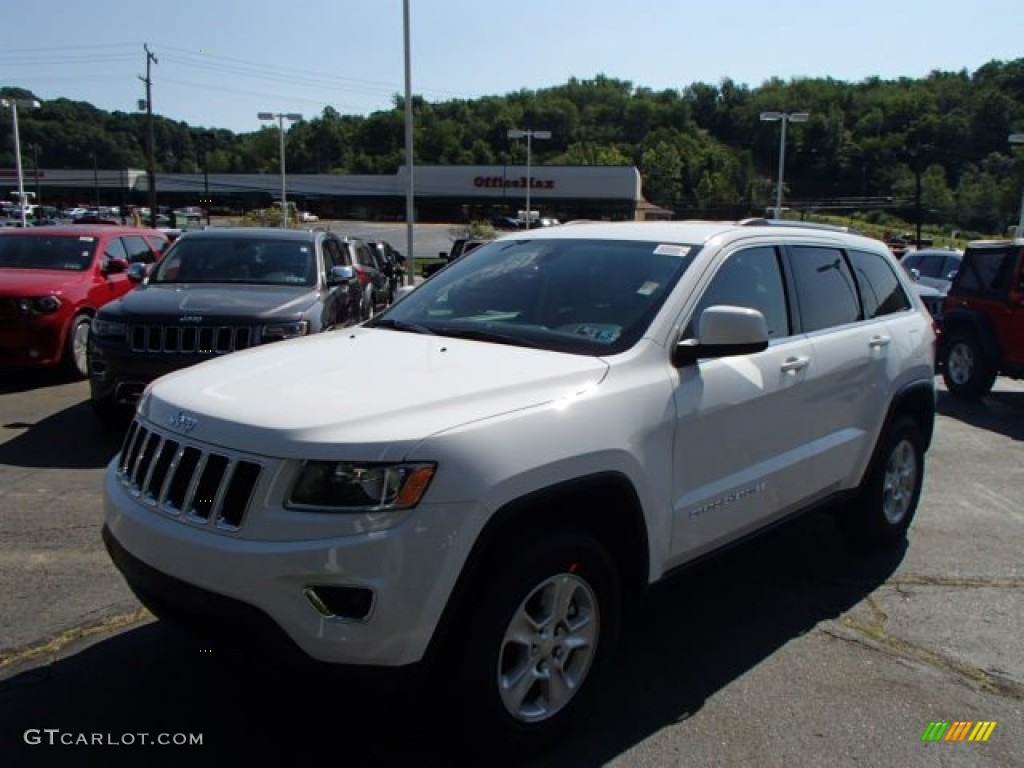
(792, 364)
(879, 341)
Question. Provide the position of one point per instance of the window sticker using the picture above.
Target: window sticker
(672, 250)
(87, 239)
(647, 288)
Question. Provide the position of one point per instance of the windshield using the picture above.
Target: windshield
(263, 261)
(67, 253)
(590, 297)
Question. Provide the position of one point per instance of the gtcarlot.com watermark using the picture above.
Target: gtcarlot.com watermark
(56, 737)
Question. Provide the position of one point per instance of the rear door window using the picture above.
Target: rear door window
(826, 290)
(880, 289)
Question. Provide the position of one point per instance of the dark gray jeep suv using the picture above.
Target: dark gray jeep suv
(215, 292)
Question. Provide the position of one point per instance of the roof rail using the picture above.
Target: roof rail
(762, 222)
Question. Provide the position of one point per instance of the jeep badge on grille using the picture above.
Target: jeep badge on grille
(182, 422)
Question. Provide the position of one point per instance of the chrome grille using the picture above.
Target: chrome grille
(190, 339)
(200, 486)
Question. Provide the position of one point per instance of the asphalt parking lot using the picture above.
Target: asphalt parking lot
(787, 651)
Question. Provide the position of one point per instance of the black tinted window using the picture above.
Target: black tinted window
(826, 291)
(880, 290)
(138, 249)
(749, 278)
(115, 249)
(986, 271)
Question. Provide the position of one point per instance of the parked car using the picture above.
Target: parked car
(369, 269)
(460, 247)
(934, 267)
(306, 216)
(217, 291)
(392, 264)
(595, 407)
(983, 318)
(53, 280)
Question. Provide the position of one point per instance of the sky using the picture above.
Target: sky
(220, 62)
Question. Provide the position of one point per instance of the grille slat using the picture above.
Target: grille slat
(190, 339)
(211, 488)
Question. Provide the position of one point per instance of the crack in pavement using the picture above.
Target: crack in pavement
(872, 634)
(52, 647)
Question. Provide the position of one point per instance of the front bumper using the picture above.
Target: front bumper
(31, 343)
(189, 573)
(120, 374)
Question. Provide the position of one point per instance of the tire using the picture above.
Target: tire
(368, 310)
(883, 509)
(966, 369)
(75, 359)
(110, 414)
(539, 641)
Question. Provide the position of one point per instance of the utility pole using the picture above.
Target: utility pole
(150, 148)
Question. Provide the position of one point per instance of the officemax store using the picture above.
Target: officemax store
(440, 193)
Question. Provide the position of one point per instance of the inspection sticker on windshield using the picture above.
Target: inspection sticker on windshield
(647, 288)
(87, 239)
(672, 250)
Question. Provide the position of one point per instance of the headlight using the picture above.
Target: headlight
(279, 331)
(38, 305)
(108, 328)
(360, 487)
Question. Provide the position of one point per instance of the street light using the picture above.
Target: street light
(783, 117)
(1018, 138)
(518, 133)
(13, 105)
(281, 117)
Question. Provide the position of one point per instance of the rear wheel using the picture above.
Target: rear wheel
(881, 513)
(967, 370)
(540, 640)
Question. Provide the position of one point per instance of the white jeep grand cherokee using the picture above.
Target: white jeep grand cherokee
(554, 422)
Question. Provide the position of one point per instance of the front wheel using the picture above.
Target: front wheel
(368, 310)
(967, 370)
(541, 640)
(75, 361)
(881, 513)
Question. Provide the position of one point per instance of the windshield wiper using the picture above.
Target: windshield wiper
(480, 334)
(400, 325)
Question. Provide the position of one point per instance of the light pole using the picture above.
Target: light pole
(35, 163)
(518, 133)
(13, 105)
(203, 141)
(783, 117)
(96, 182)
(1018, 138)
(281, 117)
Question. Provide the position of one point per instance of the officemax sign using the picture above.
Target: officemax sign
(492, 182)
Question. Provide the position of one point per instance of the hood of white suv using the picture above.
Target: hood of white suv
(366, 392)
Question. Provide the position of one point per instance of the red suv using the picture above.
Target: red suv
(983, 318)
(52, 281)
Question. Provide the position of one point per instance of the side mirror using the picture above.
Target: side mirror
(341, 275)
(114, 266)
(137, 272)
(916, 274)
(723, 331)
(952, 275)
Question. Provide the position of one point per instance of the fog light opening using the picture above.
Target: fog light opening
(333, 602)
